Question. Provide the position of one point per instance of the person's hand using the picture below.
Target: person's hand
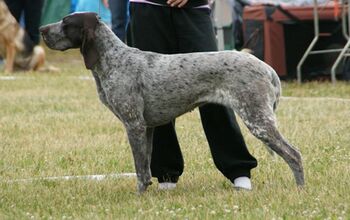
(105, 3)
(177, 3)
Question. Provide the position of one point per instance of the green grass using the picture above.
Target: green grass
(53, 124)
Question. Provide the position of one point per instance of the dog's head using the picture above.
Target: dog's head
(74, 31)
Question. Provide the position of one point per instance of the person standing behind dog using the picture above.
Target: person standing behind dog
(182, 26)
(31, 10)
(119, 11)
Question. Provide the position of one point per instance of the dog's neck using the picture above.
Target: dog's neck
(106, 39)
(112, 50)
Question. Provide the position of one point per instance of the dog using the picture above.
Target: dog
(146, 89)
(16, 46)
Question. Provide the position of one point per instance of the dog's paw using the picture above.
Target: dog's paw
(142, 187)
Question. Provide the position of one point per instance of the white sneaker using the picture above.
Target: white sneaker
(242, 182)
(167, 186)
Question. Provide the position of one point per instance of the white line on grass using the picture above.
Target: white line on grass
(86, 177)
(8, 78)
(12, 78)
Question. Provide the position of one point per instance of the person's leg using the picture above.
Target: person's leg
(15, 7)
(32, 18)
(167, 163)
(226, 142)
(150, 31)
(119, 11)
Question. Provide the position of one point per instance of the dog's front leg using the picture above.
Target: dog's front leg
(10, 57)
(141, 145)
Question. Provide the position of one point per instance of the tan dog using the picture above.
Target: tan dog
(16, 46)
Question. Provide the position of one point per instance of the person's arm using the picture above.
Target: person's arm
(177, 3)
(105, 3)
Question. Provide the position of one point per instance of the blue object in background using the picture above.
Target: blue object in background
(94, 6)
(21, 20)
(73, 5)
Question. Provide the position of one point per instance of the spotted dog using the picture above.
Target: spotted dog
(146, 89)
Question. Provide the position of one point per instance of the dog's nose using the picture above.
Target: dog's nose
(44, 29)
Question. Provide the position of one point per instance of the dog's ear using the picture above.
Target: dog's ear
(88, 46)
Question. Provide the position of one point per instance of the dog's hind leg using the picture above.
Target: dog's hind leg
(261, 121)
(140, 138)
(38, 59)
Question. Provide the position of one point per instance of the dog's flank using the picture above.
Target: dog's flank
(145, 89)
(16, 46)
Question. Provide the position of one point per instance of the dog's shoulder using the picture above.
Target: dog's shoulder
(7, 21)
(12, 33)
(9, 28)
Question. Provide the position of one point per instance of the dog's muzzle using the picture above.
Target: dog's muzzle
(44, 31)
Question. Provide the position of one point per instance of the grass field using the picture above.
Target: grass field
(52, 124)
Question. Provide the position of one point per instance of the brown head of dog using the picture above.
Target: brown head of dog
(74, 31)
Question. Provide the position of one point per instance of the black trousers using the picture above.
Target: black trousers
(172, 30)
(32, 15)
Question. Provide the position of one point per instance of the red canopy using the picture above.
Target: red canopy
(274, 49)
